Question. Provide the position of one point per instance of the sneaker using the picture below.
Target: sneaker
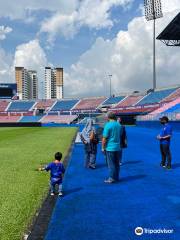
(60, 194)
(109, 181)
(52, 194)
(162, 165)
(92, 167)
(168, 167)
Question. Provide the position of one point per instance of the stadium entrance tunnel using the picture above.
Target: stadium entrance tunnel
(127, 119)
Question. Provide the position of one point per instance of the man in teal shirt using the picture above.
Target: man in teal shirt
(111, 147)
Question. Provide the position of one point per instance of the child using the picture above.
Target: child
(56, 169)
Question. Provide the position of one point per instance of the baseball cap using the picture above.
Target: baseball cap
(164, 118)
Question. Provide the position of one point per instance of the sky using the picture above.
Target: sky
(90, 39)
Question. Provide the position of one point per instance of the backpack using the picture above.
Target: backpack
(94, 137)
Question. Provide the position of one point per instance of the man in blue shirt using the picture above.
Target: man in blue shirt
(111, 147)
(164, 137)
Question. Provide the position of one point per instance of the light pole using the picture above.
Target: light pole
(110, 76)
(153, 10)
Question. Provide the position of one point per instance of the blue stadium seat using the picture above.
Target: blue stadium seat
(157, 96)
(174, 109)
(113, 100)
(30, 118)
(20, 106)
(65, 105)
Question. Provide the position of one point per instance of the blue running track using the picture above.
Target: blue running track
(147, 195)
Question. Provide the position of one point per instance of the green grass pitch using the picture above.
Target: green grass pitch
(22, 189)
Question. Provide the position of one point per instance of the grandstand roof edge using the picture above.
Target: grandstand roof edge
(169, 87)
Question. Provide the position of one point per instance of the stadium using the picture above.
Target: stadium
(143, 204)
(33, 130)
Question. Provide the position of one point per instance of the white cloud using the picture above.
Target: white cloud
(5, 67)
(32, 56)
(96, 14)
(29, 55)
(3, 31)
(169, 6)
(93, 14)
(60, 23)
(18, 9)
(128, 57)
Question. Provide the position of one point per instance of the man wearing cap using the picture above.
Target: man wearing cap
(111, 147)
(164, 137)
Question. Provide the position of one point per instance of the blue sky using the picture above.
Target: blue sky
(85, 37)
(66, 51)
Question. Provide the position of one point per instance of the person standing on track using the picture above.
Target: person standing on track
(90, 141)
(165, 137)
(111, 147)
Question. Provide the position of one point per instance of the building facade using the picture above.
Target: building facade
(33, 80)
(27, 83)
(53, 83)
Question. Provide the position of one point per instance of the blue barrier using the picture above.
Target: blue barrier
(156, 124)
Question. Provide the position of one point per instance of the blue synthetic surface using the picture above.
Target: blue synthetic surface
(147, 195)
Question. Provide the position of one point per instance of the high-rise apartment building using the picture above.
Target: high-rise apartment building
(27, 83)
(59, 83)
(53, 83)
(33, 80)
(19, 76)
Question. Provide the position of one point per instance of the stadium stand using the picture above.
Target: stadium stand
(20, 106)
(156, 96)
(3, 105)
(172, 96)
(89, 103)
(64, 105)
(134, 110)
(155, 103)
(30, 118)
(113, 100)
(58, 119)
(174, 109)
(44, 104)
(129, 101)
(166, 107)
(9, 119)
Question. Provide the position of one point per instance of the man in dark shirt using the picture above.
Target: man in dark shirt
(164, 137)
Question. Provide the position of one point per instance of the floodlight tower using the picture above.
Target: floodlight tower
(153, 10)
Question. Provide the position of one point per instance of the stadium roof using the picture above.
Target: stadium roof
(171, 34)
